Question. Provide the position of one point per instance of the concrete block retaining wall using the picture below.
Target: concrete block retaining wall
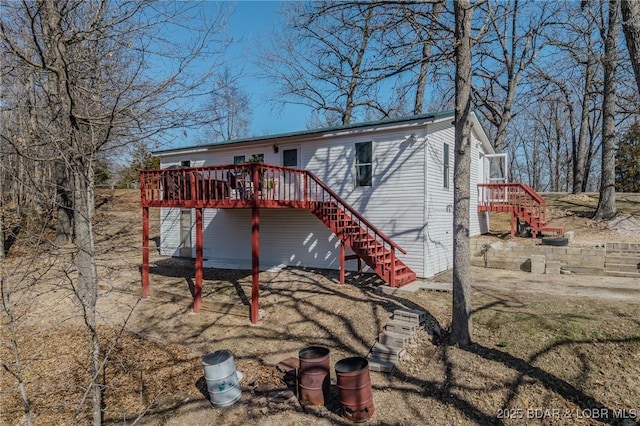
(507, 255)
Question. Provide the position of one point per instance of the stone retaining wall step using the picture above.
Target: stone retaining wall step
(386, 353)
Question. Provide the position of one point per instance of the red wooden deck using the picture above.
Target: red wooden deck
(519, 199)
(256, 186)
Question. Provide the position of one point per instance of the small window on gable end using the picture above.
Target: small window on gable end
(364, 163)
(445, 166)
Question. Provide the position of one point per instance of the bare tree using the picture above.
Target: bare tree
(607, 201)
(92, 62)
(631, 28)
(230, 107)
(324, 59)
(415, 39)
(461, 316)
(514, 38)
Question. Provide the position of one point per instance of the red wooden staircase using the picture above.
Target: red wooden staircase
(368, 244)
(522, 201)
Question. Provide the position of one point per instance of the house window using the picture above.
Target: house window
(445, 166)
(364, 163)
(238, 159)
(257, 158)
(185, 163)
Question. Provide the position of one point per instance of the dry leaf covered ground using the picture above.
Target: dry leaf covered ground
(561, 359)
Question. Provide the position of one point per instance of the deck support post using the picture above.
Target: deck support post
(145, 252)
(197, 294)
(342, 258)
(255, 264)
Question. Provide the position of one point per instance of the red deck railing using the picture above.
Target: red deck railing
(231, 186)
(511, 197)
(243, 186)
(522, 201)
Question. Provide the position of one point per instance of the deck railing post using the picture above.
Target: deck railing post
(255, 180)
(255, 264)
(306, 188)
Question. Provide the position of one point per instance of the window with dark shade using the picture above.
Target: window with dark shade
(445, 166)
(185, 163)
(238, 159)
(364, 163)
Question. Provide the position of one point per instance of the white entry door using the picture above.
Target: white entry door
(496, 171)
(496, 168)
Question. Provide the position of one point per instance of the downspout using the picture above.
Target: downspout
(425, 252)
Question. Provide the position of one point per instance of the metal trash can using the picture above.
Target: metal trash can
(354, 389)
(221, 377)
(314, 381)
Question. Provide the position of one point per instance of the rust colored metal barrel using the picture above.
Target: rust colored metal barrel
(314, 376)
(354, 389)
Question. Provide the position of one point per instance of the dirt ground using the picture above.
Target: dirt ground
(560, 350)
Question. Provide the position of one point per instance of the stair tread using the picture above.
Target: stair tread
(365, 244)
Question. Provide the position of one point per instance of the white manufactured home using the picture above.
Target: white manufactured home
(396, 174)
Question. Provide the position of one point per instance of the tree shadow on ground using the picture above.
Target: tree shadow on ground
(307, 295)
(184, 268)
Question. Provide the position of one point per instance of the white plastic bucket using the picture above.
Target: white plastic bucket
(221, 377)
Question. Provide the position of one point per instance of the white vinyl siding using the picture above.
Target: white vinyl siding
(394, 204)
(303, 241)
(408, 201)
(169, 231)
(479, 222)
(438, 203)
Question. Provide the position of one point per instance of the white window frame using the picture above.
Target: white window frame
(446, 166)
(356, 164)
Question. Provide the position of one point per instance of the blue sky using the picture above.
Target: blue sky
(249, 21)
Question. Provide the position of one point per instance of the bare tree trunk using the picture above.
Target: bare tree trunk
(580, 150)
(607, 201)
(75, 149)
(2, 254)
(71, 49)
(427, 45)
(461, 316)
(64, 205)
(557, 160)
(61, 104)
(631, 28)
(87, 289)
(356, 69)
